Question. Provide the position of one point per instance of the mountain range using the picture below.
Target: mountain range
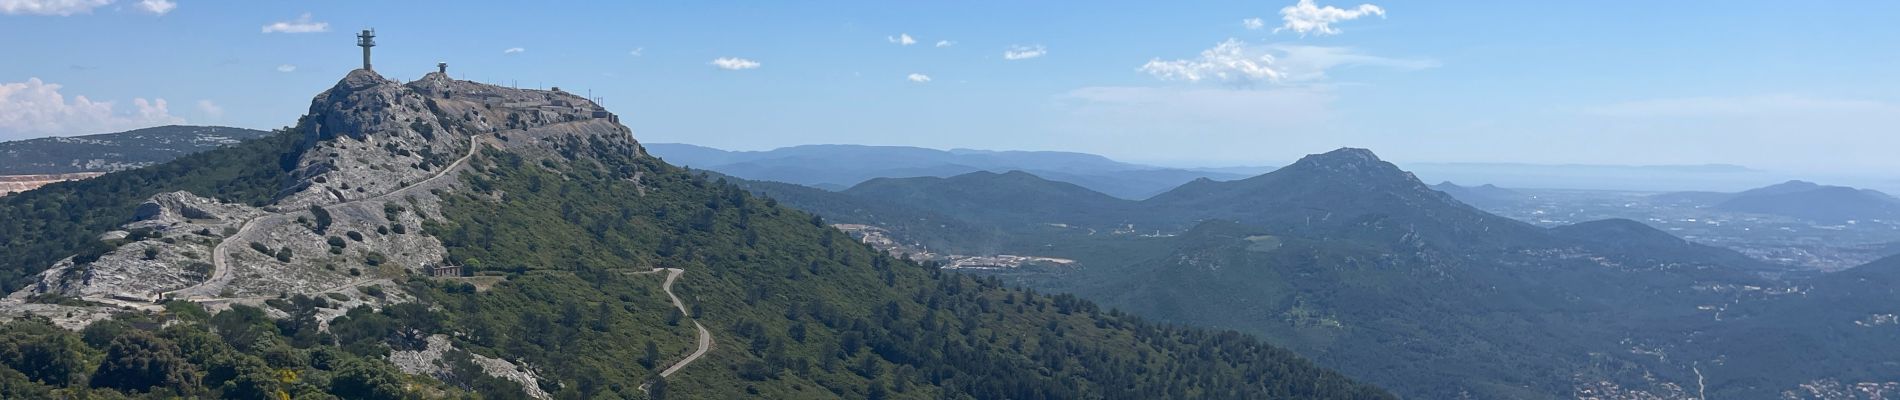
(450, 239)
(443, 238)
(835, 167)
(108, 152)
(1352, 261)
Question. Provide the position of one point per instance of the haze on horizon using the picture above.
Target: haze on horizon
(1790, 86)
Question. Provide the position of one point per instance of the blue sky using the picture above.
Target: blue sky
(1794, 86)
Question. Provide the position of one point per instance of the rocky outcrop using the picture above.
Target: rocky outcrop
(366, 177)
(175, 235)
(429, 361)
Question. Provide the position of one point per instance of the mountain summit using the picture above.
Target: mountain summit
(1345, 190)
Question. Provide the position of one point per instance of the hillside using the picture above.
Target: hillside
(120, 151)
(841, 166)
(1345, 192)
(1638, 243)
(1014, 198)
(302, 265)
(1351, 261)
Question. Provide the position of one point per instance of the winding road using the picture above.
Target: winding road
(222, 273)
(705, 336)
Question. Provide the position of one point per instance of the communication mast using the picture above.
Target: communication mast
(367, 39)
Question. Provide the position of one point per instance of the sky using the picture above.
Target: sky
(1804, 86)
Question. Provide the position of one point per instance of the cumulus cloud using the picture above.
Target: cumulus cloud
(1236, 62)
(157, 7)
(902, 39)
(210, 109)
(946, 43)
(1021, 52)
(1230, 61)
(50, 7)
(286, 68)
(637, 51)
(1307, 17)
(37, 108)
(919, 78)
(513, 50)
(302, 24)
(1253, 23)
(734, 63)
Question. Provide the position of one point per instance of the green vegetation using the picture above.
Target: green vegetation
(799, 310)
(237, 354)
(40, 227)
(1356, 263)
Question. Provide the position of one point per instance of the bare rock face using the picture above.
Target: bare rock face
(429, 361)
(368, 136)
(167, 210)
(367, 176)
(177, 232)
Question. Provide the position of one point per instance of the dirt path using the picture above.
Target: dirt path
(705, 337)
(222, 273)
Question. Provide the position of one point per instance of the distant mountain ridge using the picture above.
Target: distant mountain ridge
(108, 152)
(1800, 199)
(841, 166)
(1358, 263)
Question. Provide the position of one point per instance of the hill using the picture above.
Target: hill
(1478, 195)
(1638, 243)
(1014, 198)
(120, 151)
(1337, 193)
(1812, 201)
(445, 238)
(839, 166)
(1351, 261)
(1799, 199)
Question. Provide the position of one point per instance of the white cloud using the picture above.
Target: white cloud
(902, 39)
(1307, 17)
(157, 7)
(514, 50)
(1309, 63)
(50, 7)
(1236, 62)
(1229, 61)
(1253, 23)
(734, 63)
(210, 109)
(302, 24)
(919, 78)
(637, 51)
(36, 108)
(1021, 52)
(286, 68)
(946, 43)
